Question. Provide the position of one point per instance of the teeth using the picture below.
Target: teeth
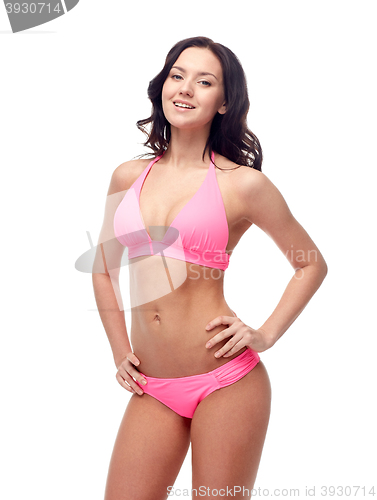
(181, 105)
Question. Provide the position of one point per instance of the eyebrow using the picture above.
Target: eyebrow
(200, 73)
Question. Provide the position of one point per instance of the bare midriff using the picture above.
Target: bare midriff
(171, 307)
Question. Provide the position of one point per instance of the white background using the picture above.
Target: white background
(71, 93)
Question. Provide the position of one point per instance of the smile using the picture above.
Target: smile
(181, 105)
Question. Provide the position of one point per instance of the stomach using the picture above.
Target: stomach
(172, 302)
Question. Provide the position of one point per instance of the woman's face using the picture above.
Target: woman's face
(196, 77)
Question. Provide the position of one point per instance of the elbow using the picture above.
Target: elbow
(322, 269)
(326, 269)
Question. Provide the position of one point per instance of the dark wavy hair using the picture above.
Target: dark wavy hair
(229, 135)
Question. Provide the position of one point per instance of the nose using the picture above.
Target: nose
(186, 88)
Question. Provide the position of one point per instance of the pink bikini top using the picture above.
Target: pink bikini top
(198, 234)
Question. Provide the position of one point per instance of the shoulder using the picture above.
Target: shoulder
(260, 199)
(246, 181)
(252, 182)
(126, 174)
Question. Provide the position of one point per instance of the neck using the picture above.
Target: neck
(186, 148)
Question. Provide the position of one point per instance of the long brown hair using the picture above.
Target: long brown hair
(229, 135)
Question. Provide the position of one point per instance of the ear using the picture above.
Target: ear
(222, 110)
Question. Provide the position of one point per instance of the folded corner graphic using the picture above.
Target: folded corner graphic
(71, 3)
(24, 15)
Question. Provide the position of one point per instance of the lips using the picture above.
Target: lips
(178, 101)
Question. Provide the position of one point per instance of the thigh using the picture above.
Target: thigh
(149, 450)
(228, 430)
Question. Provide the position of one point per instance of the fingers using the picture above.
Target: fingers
(244, 338)
(127, 373)
(231, 348)
(128, 386)
(219, 337)
(223, 334)
(234, 345)
(221, 320)
(240, 333)
(129, 377)
(133, 359)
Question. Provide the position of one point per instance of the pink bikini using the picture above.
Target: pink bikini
(198, 234)
(183, 394)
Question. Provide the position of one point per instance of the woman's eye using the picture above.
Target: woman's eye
(206, 84)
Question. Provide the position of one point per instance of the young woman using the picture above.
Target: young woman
(181, 215)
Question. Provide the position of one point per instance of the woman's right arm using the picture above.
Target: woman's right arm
(105, 277)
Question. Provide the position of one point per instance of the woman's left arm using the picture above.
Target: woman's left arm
(266, 208)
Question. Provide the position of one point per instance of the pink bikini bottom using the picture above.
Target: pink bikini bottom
(183, 394)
